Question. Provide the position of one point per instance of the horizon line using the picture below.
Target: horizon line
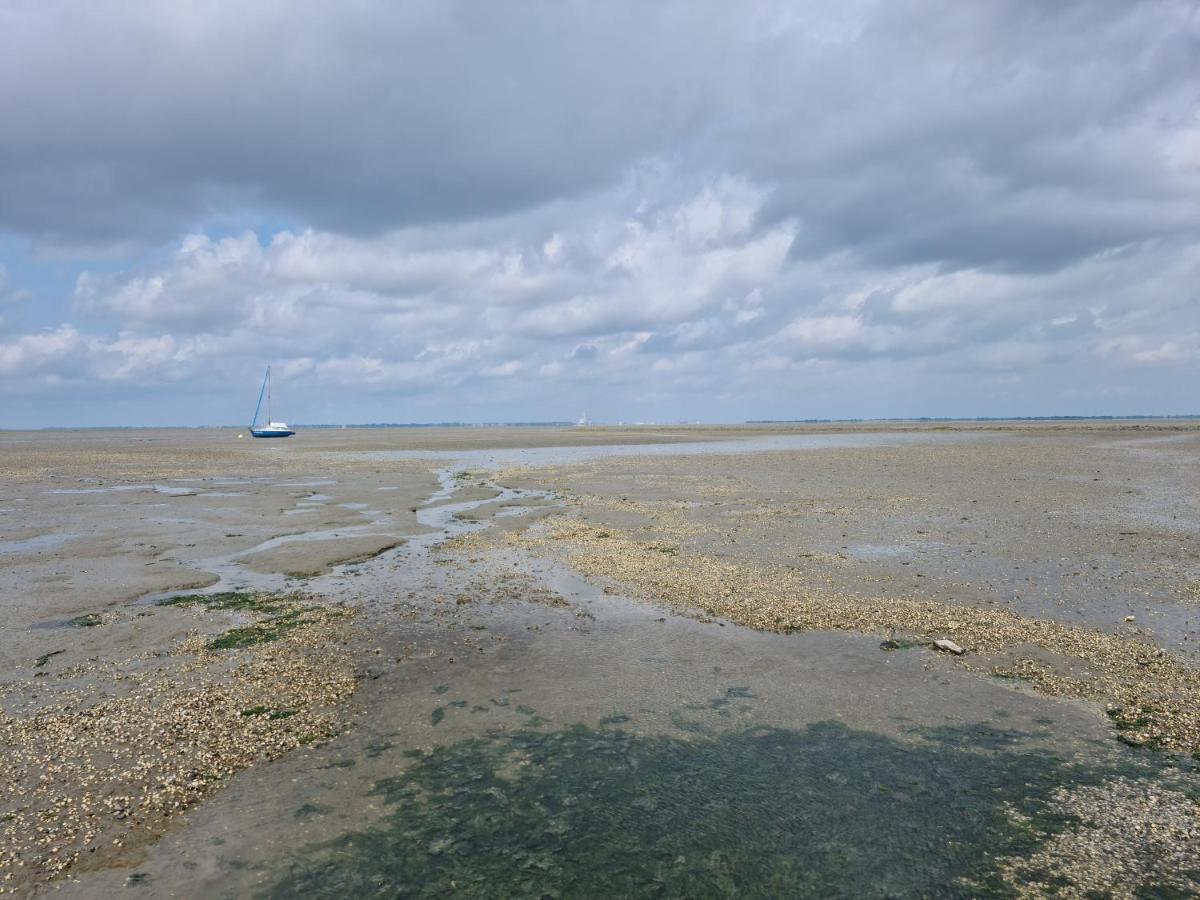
(553, 423)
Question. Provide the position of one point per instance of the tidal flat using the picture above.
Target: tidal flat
(692, 661)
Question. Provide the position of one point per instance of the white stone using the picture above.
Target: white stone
(948, 646)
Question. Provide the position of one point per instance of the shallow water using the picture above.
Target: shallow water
(610, 749)
(513, 747)
(170, 490)
(823, 810)
(491, 460)
(232, 574)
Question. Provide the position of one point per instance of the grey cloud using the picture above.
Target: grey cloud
(133, 118)
(1015, 135)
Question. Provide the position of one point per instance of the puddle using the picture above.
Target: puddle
(215, 481)
(879, 551)
(36, 544)
(114, 489)
(87, 620)
(123, 488)
(448, 484)
(511, 512)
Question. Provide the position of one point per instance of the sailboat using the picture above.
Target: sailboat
(271, 429)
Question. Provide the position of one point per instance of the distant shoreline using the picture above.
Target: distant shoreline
(566, 424)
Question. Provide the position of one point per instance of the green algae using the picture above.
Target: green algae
(280, 614)
(1130, 723)
(894, 643)
(308, 810)
(88, 620)
(755, 812)
(240, 601)
(259, 633)
(46, 657)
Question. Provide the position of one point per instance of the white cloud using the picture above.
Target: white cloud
(1169, 351)
(552, 249)
(503, 370)
(820, 331)
(661, 287)
(952, 290)
(33, 354)
(1150, 350)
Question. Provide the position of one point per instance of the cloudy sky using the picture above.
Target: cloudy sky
(530, 210)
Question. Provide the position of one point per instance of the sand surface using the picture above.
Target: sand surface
(463, 601)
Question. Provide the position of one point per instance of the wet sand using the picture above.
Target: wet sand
(506, 687)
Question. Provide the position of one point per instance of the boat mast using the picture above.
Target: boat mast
(269, 420)
(258, 408)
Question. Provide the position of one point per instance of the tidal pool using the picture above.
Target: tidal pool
(825, 810)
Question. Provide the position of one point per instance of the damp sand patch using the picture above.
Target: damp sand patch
(303, 558)
(1152, 696)
(502, 509)
(115, 749)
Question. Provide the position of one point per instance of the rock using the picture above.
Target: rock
(889, 644)
(1129, 618)
(948, 646)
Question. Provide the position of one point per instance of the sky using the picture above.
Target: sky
(442, 210)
